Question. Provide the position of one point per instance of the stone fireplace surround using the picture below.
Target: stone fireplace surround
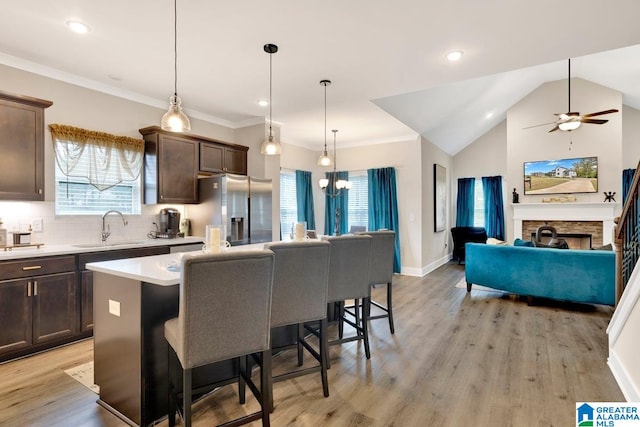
(570, 217)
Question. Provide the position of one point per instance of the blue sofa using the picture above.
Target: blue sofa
(582, 276)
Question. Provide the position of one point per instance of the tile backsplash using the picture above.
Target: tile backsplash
(60, 230)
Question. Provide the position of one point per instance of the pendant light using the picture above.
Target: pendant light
(324, 159)
(270, 146)
(174, 119)
(340, 184)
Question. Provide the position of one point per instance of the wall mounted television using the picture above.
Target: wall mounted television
(565, 176)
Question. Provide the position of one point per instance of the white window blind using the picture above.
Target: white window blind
(288, 202)
(478, 204)
(358, 204)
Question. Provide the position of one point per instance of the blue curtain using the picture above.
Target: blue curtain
(304, 198)
(627, 180)
(383, 206)
(333, 201)
(465, 203)
(493, 206)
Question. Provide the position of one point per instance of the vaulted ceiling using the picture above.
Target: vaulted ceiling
(391, 80)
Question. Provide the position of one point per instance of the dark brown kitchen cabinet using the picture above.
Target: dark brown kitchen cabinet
(22, 147)
(216, 158)
(170, 167)
(173, 160)
(37, 304)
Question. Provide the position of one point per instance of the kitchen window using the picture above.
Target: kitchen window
(96, 172)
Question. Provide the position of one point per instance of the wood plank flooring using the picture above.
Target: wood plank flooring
(456, 359)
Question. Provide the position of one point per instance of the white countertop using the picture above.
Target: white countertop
(50, 250)
(156, 269)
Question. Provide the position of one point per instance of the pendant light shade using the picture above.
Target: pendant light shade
(324, 159)
(270, 146)
(174, 119)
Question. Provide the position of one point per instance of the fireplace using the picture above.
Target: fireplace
(573, 218)
(578, 234)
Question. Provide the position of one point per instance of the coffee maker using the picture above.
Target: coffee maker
(169, 223)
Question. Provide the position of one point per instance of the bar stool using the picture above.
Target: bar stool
(381, 270)
(349, 279)
(300, 287)
(224, 313)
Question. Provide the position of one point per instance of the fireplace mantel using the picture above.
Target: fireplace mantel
(569, 211)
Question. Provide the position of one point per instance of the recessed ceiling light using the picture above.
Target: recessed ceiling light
(454, 55)
(263, 102)
(488, 115)
(78, 27)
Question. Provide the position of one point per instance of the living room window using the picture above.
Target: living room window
(478, 205)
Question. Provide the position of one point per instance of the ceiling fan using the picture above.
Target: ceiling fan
(572, 120)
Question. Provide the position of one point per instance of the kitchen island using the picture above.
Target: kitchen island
(132, 300)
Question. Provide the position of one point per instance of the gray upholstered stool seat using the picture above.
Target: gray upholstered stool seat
(224, 313)
(349, 279)
(300, 287)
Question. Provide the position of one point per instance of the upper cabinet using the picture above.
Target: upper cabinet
(170, 167)
(21, 147)
(173, 161)
(215, 157)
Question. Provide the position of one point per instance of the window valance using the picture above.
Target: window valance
(104, 159)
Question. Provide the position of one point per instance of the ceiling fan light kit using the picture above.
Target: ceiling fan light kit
(572, 120)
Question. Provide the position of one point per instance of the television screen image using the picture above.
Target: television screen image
(566, 176)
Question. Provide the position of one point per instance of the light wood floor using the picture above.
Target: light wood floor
(456, 359)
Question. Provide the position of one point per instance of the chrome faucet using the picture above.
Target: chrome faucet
(107, 232)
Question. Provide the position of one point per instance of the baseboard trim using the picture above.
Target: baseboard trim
(630, 390)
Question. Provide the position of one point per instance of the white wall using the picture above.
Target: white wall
(436, 247)
(630, 137)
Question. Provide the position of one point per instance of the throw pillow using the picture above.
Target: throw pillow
(520, 242)
(608, 247)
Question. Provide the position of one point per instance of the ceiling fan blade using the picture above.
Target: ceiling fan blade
(594, 121)
(600, 113)
(554, 129)
(542, 124)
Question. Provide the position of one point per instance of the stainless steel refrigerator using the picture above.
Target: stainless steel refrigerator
(240, 204)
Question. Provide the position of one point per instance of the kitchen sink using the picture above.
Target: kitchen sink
(109, 245)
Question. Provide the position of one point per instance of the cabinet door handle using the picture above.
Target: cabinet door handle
(35, 288)
(28, 289)
(32, 267)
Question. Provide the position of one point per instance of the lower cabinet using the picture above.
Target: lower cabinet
(36, 310)
(48, 301)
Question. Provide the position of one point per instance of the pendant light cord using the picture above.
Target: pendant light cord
(175, 48)
(270, 84)
(334, 155)
(325, 119)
